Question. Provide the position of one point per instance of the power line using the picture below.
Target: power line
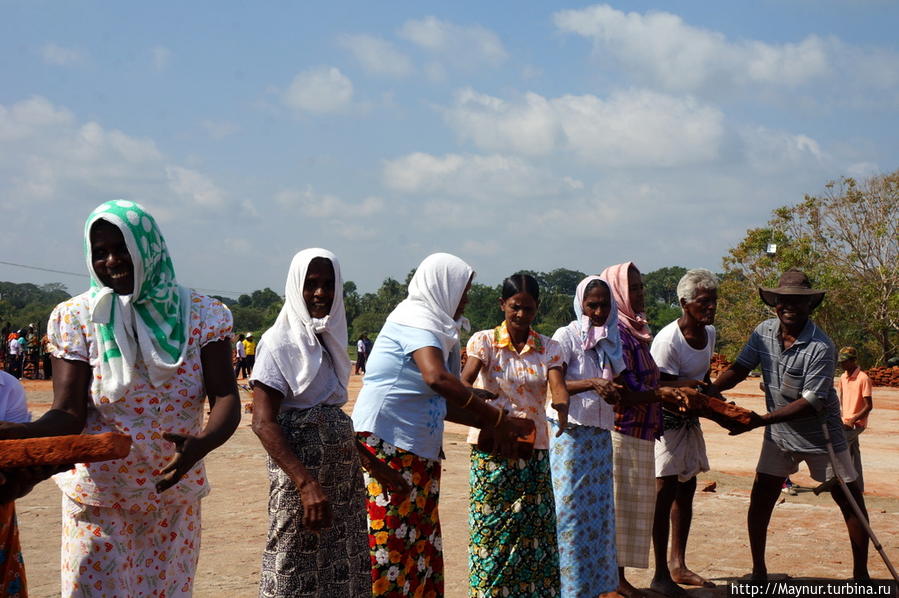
(82, 275)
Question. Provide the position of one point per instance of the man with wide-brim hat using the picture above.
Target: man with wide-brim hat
(795, 283)
(797, 360)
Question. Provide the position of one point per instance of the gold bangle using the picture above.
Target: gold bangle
(470, 397)
(499, 419)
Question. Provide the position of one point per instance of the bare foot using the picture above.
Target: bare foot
(688, 578)
(667, 587)
(626, 590)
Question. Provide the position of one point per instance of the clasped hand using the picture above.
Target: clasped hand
(508, 433)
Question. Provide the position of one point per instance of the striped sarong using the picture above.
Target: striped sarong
(581, 463)
(635, 498)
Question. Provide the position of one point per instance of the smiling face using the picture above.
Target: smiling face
(318, 289)
(793, 310)
(519, 311)
(110, 258)
(597, 304)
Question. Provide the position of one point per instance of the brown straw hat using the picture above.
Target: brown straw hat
(792, 282)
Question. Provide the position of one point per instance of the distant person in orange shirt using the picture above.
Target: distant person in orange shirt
(856, 403)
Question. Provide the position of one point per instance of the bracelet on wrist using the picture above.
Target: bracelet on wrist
(470, 397)
(499, 419)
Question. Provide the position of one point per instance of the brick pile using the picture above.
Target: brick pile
(883, 376)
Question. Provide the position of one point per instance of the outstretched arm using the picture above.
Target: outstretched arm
(434, 373)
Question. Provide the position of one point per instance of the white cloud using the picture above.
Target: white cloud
(47, 155)
(194, 186)
(319, 90)
(629, 128)
(661, 48)
(161, 56)
(461, 46)
(377, 56)
(29, 116)
(494, 178)
(59, 56)
(323, 205)
(768, 151)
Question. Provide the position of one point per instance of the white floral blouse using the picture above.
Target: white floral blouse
(144, 412)
(518, 379)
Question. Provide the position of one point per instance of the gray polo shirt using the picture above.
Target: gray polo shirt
(808, 366)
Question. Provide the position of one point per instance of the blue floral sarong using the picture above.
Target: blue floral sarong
(581, 464)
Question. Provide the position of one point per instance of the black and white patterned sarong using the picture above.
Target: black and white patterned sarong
(333, 563)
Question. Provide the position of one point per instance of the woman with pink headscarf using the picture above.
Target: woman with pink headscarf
(636, 427)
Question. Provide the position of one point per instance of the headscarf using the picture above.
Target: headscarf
(605, 338)
(152, 321)
(636, 323)
(434, 294)
(293, 339)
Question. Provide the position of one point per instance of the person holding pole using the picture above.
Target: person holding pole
(797, 361)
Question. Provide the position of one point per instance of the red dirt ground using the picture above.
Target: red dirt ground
(807, 537)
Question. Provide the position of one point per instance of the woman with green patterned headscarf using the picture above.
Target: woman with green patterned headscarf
(138, 354)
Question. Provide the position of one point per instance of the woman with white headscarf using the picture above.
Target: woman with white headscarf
(318, 538)
(137, 354)
(581, 456)
(411, 385)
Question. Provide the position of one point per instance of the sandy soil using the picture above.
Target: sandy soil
(807, 537)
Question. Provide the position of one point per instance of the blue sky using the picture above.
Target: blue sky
(516, 135)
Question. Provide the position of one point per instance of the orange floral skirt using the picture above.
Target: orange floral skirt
(12, 568)
(404, 535)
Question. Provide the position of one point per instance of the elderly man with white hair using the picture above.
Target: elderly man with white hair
(683, 351)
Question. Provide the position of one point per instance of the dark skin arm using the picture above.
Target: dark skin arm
(869, 405)
(224, 415)
(71, 382)
(555, 381)
(434, 373)
(266, 405)
(736, 374)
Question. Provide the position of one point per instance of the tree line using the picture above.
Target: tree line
(846, 240)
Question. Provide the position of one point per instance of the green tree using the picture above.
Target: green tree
(847, 241)
(661, 302)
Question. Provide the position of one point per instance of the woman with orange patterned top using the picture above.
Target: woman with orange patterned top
(512, 550)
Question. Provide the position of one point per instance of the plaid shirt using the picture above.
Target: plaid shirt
(641, 373)
(810, 363)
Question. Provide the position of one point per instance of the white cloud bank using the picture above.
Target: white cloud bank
(47, 155)
(659, 48)
(629, 128)
(494, 178)
(319, 90)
